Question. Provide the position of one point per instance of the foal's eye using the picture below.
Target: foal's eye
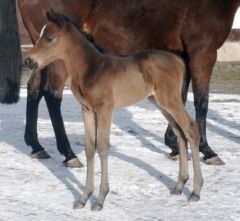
(49, 38)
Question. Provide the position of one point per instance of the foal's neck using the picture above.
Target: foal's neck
(80, 58)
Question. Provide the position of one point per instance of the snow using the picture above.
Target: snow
(236, 23)
(141, 173)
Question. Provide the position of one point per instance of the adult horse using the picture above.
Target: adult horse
(10, 53)
(192, 29)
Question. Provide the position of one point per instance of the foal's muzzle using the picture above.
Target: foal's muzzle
(30, 63)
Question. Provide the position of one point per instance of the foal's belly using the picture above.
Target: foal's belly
(130, 88)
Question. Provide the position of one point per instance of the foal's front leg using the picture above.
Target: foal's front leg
(90, 148)
(104, 118)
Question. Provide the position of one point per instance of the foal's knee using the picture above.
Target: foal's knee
(103, 147)
(103, 152)
(89, 151)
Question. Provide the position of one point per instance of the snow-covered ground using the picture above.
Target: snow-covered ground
(141, 173)
(236, 23)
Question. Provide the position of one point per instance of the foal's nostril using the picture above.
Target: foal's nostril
(27, 62)
(30, 63)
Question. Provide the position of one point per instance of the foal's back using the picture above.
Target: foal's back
(132, 79)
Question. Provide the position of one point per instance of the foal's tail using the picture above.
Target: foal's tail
(10, 53)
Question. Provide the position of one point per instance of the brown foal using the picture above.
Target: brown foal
(102, 82)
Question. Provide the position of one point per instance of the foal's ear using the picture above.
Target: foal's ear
(56, 18)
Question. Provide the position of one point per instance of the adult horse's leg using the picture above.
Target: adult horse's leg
(54, 104)
(63, 145)
(201, 65)
(31, 136)
(51, 87)
(53, 91)
(10, 53)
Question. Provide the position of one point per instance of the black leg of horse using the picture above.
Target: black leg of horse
(63, 145)
(202, 67)
(202, 75)
(31, 136)
(201, 106)
(170, 137)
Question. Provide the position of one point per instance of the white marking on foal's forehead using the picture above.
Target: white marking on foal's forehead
(41, 33)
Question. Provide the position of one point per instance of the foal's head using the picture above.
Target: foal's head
(52, 42)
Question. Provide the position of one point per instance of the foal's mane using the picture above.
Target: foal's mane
(60, 19)
(91, 39)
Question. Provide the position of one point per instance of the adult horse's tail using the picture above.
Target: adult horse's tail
(10, 53)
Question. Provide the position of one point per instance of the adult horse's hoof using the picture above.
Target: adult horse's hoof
(40, 155)
(214, 161)
(174, 157)
(73, 163)
(97, 206)
(193, 198)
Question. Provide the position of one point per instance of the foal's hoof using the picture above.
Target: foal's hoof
(78, 205)
(97, 206)
(73, 163)
(41, 155)
(214, 161)
(176, 192)
(193, 198)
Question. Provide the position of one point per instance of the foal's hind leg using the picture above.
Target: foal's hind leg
(174, 106)
(182, 143)
(170, 137)
(183, 158)
(190, 130)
